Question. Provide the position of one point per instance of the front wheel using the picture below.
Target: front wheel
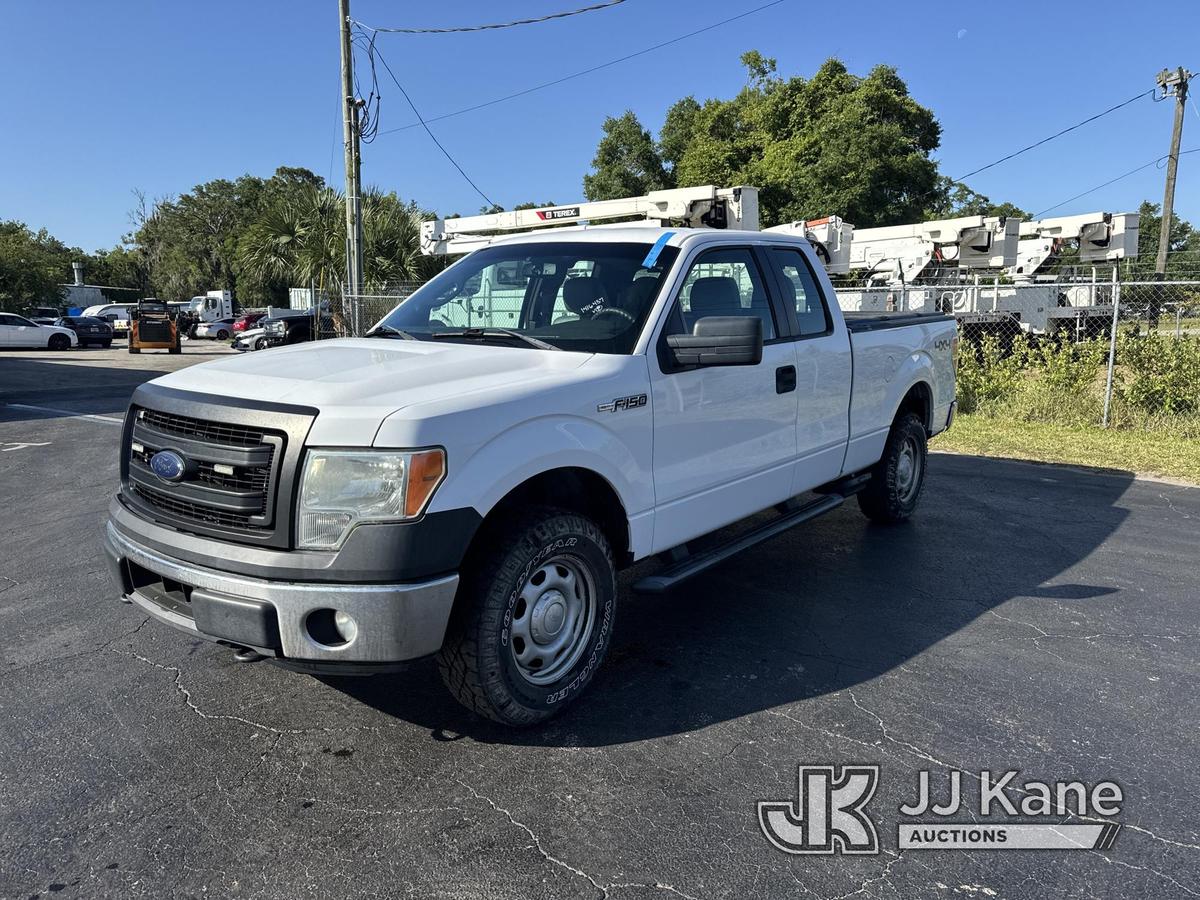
(260, 343)
(897, 479)
(535, 618)
(59, 342)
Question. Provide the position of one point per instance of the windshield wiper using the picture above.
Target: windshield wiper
(389, 331)
(481, 334)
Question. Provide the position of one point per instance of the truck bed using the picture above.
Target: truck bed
(877, 321)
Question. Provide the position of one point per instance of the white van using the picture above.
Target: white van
(115, 314)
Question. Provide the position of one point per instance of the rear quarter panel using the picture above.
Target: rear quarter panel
(887, 364)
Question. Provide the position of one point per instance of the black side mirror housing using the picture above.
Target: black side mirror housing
(719, 341)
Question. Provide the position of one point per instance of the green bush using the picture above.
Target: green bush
(1159, 374)
(1157, 381)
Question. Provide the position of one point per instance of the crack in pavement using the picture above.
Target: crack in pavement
(604, 889)
(88, 652)
(194, 707)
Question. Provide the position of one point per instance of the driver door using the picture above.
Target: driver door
(724, 436)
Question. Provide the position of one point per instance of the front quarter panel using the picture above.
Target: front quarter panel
(496, 440)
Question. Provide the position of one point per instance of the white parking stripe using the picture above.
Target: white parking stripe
(67, 412)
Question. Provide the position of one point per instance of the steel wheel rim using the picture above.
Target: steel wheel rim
(553, 620)
(908, 470)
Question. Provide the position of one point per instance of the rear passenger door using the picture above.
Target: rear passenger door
(823, 369)
(724, 436)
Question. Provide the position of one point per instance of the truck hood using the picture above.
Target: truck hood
(355, 383)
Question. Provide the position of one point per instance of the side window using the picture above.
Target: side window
(723, 282)
(812, 316)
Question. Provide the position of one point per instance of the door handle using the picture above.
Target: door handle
(785, 379)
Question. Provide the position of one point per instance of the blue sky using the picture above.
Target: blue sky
(97, 99)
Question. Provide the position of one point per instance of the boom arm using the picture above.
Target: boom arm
(733, 208)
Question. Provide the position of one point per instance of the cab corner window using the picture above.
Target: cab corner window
(800, 288)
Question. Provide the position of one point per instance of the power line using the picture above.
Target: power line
(494, 27)
(1153, 162)
(1059, 134)
(588, 71)
(432, 136)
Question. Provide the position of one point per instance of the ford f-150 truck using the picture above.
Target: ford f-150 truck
(466, 479)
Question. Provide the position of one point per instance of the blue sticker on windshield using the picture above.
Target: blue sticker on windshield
(652, 256)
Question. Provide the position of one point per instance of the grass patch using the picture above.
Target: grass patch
(1152, 452)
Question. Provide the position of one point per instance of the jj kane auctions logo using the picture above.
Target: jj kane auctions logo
(829, 814)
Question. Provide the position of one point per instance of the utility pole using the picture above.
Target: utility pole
(354, 259)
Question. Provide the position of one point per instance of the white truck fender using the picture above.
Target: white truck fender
(493, 469)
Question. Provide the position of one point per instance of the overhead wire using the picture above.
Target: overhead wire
(374, 52)
(1059, 134)
(496, 26)
(582, 72)
(1154, 162)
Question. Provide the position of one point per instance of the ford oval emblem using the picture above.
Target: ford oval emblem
(168, 465)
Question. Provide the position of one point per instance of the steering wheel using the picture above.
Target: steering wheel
(612, 310)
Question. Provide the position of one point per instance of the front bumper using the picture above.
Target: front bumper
(395, 622)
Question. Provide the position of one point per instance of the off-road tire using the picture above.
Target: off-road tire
(476, 662)
(888, 498)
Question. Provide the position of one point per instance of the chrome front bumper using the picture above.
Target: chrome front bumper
(395, 622)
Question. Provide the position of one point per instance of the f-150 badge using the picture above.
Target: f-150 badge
(621, 403)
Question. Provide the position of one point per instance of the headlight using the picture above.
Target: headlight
(341, 488)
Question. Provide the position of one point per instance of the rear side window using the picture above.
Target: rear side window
(800, 286)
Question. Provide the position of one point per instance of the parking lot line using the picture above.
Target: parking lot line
(67, 412)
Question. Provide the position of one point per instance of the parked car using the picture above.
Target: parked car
(89, 329)
(470, 490)
(242, 323)
(42, 320)
(18, 331)
(254, 339)
(294, 329)
(220, 330)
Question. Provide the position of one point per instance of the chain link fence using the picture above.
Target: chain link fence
(353, 315)
(1080, 353)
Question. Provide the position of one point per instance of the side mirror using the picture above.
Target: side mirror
(719, 341)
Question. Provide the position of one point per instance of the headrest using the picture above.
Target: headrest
(580, 293)
(715, 295)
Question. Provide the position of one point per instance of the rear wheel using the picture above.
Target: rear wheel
(535, 618)
(59, 342)
(106, 344)
(897, 479)
(222, 335)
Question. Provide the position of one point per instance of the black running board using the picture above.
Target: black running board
(693, 565)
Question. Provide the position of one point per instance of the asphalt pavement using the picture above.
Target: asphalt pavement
(1030, 617)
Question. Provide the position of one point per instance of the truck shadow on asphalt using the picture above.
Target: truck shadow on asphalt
(65, 388)
(825, 607)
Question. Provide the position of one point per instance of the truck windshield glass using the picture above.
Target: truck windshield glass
(586, 296)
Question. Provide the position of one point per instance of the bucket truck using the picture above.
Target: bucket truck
(830, 237)
(924, 266)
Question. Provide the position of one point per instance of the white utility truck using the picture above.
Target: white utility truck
(470, 490)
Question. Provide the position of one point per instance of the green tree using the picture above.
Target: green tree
(836, 143)
(627, 163)
(953, 199)
(30, 267)
(1183, 246)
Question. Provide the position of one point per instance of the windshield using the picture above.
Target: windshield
(590, 296)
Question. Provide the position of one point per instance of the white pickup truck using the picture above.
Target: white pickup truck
(466, 480)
